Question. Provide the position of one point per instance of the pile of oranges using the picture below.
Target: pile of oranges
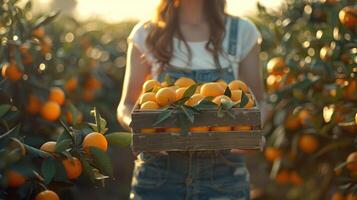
(156, 95)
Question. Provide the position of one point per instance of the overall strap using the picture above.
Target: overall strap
(233, 36)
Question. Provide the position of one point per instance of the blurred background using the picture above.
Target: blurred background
(308, 60)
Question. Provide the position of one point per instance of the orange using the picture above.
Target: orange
(72, 167)
(148, 130)
(223, 84)
(356, 118)
(276, 66)
(24, 48)
(222, 98)
(95, 139)
(165, 96)
(165, 84)
(348, 15)
(38, 32)
(184, 82)
(308, 144)
(14, 178)
(242, 128)
(71, 84)
(351, 196)
(149, 105)
(46, 44)
(292, 122)
(34, 104)
(199, 129)
(51, 111)
(149, 96)
(211, 89)
(47, 195)
(221, 128)
(236, 95)
(351, 90)
(338, 196)
(57, 95)
(198, 89)
(272, 153)
(194, 100)
(352, 161)
(283, 177)
(295, 178)
(92, 83)
(180, 92)
(27, 59)
(88, 95)
(173, 130)
(304, 116)
(238, 85)
(69, 117)
(153, 85)
(49, 147)
(13, 72)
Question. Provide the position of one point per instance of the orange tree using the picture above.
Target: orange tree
(44, 144)
(309, 49)
(311, 77)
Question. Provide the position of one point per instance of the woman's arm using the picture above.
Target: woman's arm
(135, 73)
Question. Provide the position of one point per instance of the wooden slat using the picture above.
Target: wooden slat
(206, 118)
(196, 141)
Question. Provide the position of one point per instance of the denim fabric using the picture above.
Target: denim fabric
(199, 175)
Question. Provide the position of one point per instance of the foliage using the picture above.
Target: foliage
(311, 79)
(52, 76)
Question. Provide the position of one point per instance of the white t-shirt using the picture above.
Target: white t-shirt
(248, 35)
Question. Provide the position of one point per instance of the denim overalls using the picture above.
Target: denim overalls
(199, 175)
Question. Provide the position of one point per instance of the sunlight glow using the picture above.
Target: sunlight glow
(118, 10)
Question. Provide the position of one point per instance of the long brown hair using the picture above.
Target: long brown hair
(165, 26)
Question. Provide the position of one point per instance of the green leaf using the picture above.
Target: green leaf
(88, 169)
(164, 115)
(64, 136)
(97, 119)
(190, 91)
(46, 19)
(227, 105)
(4, 109)
(206, 104)
(188, 113)
(94, 127)
(228, 92)
(10, 133)
(101, 160)
(28, 6)
(48, 170)
(122, 139)
(244, 100)
(63, 145)
(66, 128)
(37, 152)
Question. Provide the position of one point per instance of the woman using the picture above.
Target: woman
(196, 39)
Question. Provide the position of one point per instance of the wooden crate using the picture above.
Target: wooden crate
(165, 141)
